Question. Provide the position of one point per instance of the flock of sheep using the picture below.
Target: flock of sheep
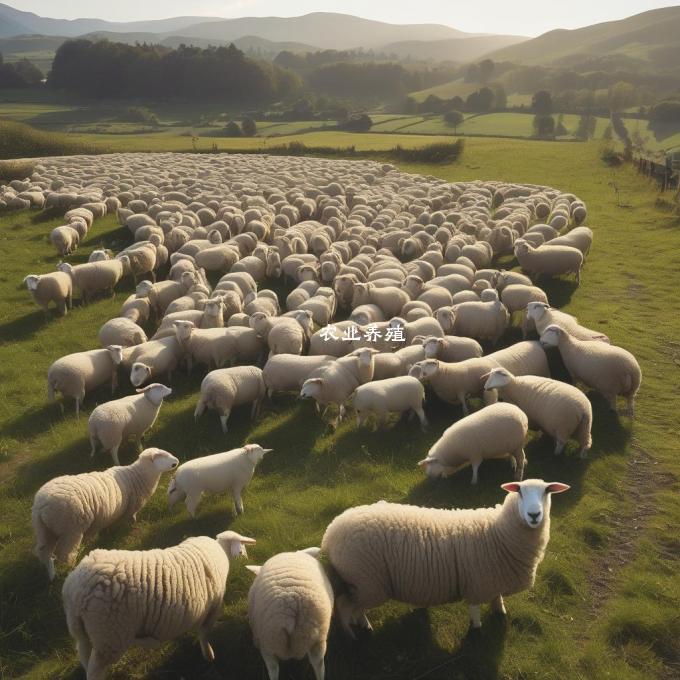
(392, 290)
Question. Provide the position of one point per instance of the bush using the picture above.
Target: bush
(441, 152)
(453, 118)
(232, 129)
(248, 127)
(544, 125)
(667, 112)
(358, 122)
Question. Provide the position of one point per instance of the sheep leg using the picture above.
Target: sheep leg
(83, 647)
(44, 551)
(462, 398)
(631, 407)
(422, 417)
(519, 461)
(93, 445)
(497, 605)
(114, 454)
(475, 615)
(66, 549)
(611, 400)
(255, 409)
(224, 418)
(192, 503)
(316, 655)
(238, 501)
(475, 467)
(272, 664)
(204, 630)
(559, 447)
(98, 664)
(345, 612)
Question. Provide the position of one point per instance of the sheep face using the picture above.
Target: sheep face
(31, 281)
(155, 393)
(255, 452)
(234, 544)
(213, 307)
(446, 317)
(428, 369)
(534, 499)
(183, 329)
(433, 347)
(536, 310)
(551, 336)
(521, 247)
(116, 352)
(273, 270)
(139, 373)
(160, 459)
(143, 289)
(175, 494)
(311, 388)
(65, 267)
(498, 377)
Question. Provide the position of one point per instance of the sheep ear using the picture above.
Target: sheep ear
(313, 552)
(510, 487)
(255, 568)
(423, 463)
(557, 487)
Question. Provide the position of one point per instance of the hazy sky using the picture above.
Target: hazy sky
(520, 17)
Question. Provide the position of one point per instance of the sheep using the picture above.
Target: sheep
(121, 331)
(225, 388)
(137, 309)
(288, 372)
(147, 597)
(65, 240)
(363, 315)
(506, 278)
(161, 294)
(393, 364)
(478, 320)
(390, 299)
(290, 336)
(382, 397)
(560, 410)
(450, 348)
(580, 238)
(428, 556)
(152, 359)
(554, 260)
(609, 369)
(517, 296)
(322, 308)
(217, 473)
(130, 417)
(56, 287)
(332, 384)
(69, 507)
(540, 315)
(496, 431)
(74, 375)
(411, 330)
(94, 277)
(290, 605)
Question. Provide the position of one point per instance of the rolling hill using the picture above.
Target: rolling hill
(452, 49)
(639, 36)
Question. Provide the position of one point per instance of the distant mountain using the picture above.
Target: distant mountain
(453, 49)
(640, 36)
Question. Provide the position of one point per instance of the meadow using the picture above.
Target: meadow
(607, 596)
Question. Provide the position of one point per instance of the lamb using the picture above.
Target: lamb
(130, 417)
(560, 410)
(147, 597)
(65, 239)
(540, 315)
(609, 369)
(56, 287)
(496, 431)
(288, 372)
(231, 470)
(225, 388)
(428, 556)
(121, 331)
(94, 277)
(68, 508)
(74, 375)
(478, 320)
(152, 359)
(553, 260)
(450, 348)
(382, 397)
(290, 605)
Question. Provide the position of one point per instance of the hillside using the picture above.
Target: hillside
(643, 36)
(452, 49)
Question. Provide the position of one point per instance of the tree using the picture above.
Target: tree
(454, 119)
(486, 69)
(30, 73)
(665, 112)
(486, 99)
(232, 129)
(620, 96)
(500, 99)
(248, 127)
(541, 103)
(586, 127)
(358, 122)
(544, 125)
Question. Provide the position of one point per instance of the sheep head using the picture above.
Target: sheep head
(534, 497)
(161, 460)
(536, 310)
(233, 544)
(497, 377)
(155, 393)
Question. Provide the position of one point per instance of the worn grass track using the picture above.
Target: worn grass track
(591, 614)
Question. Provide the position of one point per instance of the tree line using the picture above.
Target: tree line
(22, 73)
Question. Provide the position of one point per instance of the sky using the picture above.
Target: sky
(516, 17)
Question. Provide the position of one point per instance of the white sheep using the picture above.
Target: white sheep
(390, 299)
(382, 397)
(56, 287)
(288, 372)
(428, 556)
(552, 261)
(290, 605)
(65, 239)
(609, 369)
(113, 422)
(540, 315)
(450, 348)
(74, 375)
(496, 431)
(96, 277)
(121, 331)
(152, 359)
(560, 410)
(225, 388)
(214, 474)
(147, 597)
(67, 508)
(478, 320)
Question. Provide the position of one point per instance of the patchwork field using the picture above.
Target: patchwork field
(607, 596)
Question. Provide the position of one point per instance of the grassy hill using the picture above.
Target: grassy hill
(643, 36)
(453, 49)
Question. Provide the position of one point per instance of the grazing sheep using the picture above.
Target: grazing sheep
(65, 239)
(450, 348)
(147, 597)
(225, 388)
(382, 397)
(393, 364)
(553, 261)
(560, 410)
(580, 238)
(121, 331)
(217, 473)
(288, 372)
(390, 299)
(56, 287)
(290, 605)
(152, 359)
(540, 315)
(130, 417)
(74, 375)
(517, 296)
(496, 431)
(428, 556)
(69, 507)
(96, 277)
(609, 369)
(478, 320)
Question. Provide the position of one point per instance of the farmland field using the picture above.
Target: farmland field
(607, 596)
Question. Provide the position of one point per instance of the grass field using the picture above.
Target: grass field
(607, 596)
(454, 88)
